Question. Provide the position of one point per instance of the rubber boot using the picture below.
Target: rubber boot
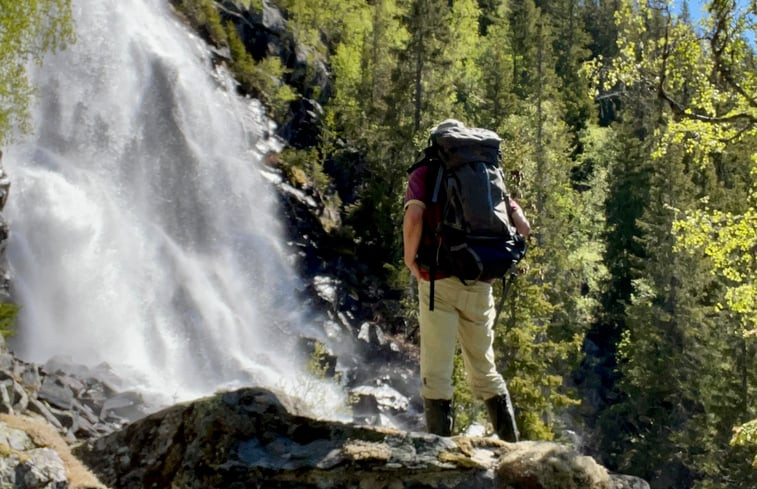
(502, 416)
(438, 416)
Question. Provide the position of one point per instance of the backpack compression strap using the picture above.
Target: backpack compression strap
(435, 260)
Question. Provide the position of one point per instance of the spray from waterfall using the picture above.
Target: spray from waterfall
(142, 233)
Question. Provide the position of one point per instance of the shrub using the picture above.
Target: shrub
(262, 79)
(8, 313)
(204, 16)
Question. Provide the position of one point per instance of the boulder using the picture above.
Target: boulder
(254, 438)
(57, 393)
(541, 465)
(33, 456)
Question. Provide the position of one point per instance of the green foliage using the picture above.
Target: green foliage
(204, 16)
(571, 46)
(8, 313)
(729, 240)
(303, 168)
(684, 297)
(318, 364)
(523, 17)
(717, 105)
(424, 75)
(262, 79)
(252, 5)
(746, 435)
(466, 71)
(467, 409)
(27, 31)
(642, 256)
(530, 358)
(322, 24)
(496, 78)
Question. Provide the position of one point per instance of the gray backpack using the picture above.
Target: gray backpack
(473, 236)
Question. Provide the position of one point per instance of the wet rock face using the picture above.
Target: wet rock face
(5, 185)
(254, 438)
(263, 30)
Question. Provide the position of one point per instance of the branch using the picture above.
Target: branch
(680, 110)
(736, 86)
(719, 42)
(607, 95)
(736, 136)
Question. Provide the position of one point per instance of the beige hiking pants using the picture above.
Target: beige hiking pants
(463, 313)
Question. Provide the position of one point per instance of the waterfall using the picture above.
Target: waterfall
(142, 232)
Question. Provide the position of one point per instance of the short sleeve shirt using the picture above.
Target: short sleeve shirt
(416, 187)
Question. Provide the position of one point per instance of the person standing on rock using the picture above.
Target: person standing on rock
(454, 307)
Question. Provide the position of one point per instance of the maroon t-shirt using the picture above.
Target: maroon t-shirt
(417, 194)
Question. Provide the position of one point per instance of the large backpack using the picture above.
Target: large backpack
(474, 238)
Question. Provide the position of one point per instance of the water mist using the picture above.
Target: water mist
(142, 233)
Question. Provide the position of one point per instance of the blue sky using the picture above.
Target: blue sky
(698, 9)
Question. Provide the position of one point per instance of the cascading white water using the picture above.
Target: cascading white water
(142, 234)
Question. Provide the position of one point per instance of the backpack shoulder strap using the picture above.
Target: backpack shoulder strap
(430, 157)
(427, 157)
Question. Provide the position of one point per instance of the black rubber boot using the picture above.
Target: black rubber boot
(502, 416)
(438, 416)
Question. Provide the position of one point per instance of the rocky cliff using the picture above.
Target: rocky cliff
(247, 438)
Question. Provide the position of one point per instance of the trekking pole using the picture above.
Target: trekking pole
(513, 273)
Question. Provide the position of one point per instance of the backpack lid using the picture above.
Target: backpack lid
(446, 134)
(446, 124)
(460, 144)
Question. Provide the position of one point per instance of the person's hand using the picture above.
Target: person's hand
(414, 270)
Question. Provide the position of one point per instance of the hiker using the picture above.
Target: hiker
(459, 310)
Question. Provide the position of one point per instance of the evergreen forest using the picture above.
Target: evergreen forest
(630, 140)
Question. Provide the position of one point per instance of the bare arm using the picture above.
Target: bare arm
(412, 228)
(521, 223)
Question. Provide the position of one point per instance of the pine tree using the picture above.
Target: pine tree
(666, 303)
(598, 19)
(495, 64)
(628, 175)
(570, 45)
(522, 21)
(424, 94)
(665, 300)
(540, 332)
(465, 74)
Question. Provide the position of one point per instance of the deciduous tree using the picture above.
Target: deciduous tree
(27, 31)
